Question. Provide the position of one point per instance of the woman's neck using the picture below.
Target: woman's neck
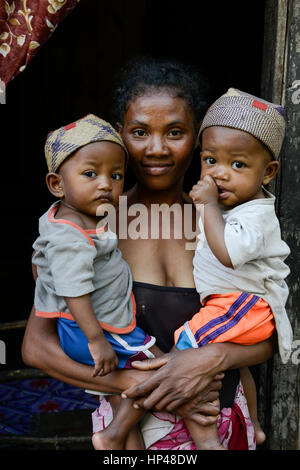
(143, 195)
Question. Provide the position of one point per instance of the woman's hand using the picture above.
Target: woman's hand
(204, 413)
(182, 376)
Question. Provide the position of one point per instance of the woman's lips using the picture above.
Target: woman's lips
(156, 169)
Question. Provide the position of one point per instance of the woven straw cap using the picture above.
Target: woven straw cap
(260, 118)
(62, 142)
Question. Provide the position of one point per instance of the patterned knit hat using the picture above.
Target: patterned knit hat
(245, 112)
(65, 140)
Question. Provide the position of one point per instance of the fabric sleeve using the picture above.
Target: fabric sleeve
(244, 239)
(71, 262)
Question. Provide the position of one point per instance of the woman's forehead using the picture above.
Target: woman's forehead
(162, 104)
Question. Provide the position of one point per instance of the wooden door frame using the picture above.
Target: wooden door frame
(279, 385)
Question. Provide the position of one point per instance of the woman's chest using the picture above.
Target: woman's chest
(161, 262)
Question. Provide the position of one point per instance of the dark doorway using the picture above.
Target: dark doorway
(72, 76)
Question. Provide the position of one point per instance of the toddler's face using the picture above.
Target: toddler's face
(93, 175)
(238, 163)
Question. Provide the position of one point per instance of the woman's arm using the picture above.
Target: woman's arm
(183, 375)
(41, 349)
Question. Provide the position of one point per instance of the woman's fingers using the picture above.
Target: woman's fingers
(210, 410)
(219, 376)
(140, 390)
(150, 364)
(168, 402)
(143, 389)
(204, 420)
(181, 377)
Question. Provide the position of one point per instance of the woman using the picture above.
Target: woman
(158, 107)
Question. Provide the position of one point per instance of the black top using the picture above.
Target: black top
(161, 310)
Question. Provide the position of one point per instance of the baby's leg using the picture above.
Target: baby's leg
(156, 351)
(251, 397)
(205, 437)
(123, 431)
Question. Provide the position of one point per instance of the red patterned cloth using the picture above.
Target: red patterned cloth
(25, 25)
(169, 432)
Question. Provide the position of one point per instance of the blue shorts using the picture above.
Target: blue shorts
(130, 347)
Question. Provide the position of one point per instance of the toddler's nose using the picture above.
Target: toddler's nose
(104, 184)
(220, 172)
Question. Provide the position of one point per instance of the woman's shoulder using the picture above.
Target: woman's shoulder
(186, 198)
(131, 195)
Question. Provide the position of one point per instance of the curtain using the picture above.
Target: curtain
(25, 25)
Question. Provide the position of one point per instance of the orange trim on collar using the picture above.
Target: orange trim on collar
(85, 232)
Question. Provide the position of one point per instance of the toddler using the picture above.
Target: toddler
(83, 281)
(239, 269)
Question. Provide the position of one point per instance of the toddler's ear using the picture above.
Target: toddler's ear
(54, 184)
(271, 170)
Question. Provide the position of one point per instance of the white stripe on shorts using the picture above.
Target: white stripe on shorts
(143, 347)
(190, 335)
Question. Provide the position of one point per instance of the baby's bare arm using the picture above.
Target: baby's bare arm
(104, 357)
(82, 310)
(214, 227)
(205, 195)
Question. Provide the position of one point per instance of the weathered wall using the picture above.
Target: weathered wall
(280, 384)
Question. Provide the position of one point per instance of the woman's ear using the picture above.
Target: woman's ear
(55, 184)
(119, 128)
(271, 170)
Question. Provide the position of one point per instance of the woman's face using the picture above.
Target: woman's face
(159, 133)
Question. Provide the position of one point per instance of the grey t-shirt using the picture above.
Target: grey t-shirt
(72, 262)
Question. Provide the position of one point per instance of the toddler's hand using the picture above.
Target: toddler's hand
(104, 356)
(205, 191)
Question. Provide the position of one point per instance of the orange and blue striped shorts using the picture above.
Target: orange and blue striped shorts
(236, 317)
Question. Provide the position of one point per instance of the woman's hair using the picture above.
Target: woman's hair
(143, 74)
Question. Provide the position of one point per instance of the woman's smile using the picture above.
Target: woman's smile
(156, 168)
(158, 131)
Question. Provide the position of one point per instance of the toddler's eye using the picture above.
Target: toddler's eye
(210, 160)
(90, 174)
(116, 176)
(237, 165)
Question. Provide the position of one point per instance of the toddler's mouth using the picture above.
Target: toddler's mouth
(105, 197)
(223, 192)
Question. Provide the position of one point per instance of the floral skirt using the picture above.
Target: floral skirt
(165, 431)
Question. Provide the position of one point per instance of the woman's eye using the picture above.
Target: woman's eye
(117, 176)
(237, 165)
(139, 132)
(90, 174)
(175, 133)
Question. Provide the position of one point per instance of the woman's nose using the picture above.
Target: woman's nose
(157, 146)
